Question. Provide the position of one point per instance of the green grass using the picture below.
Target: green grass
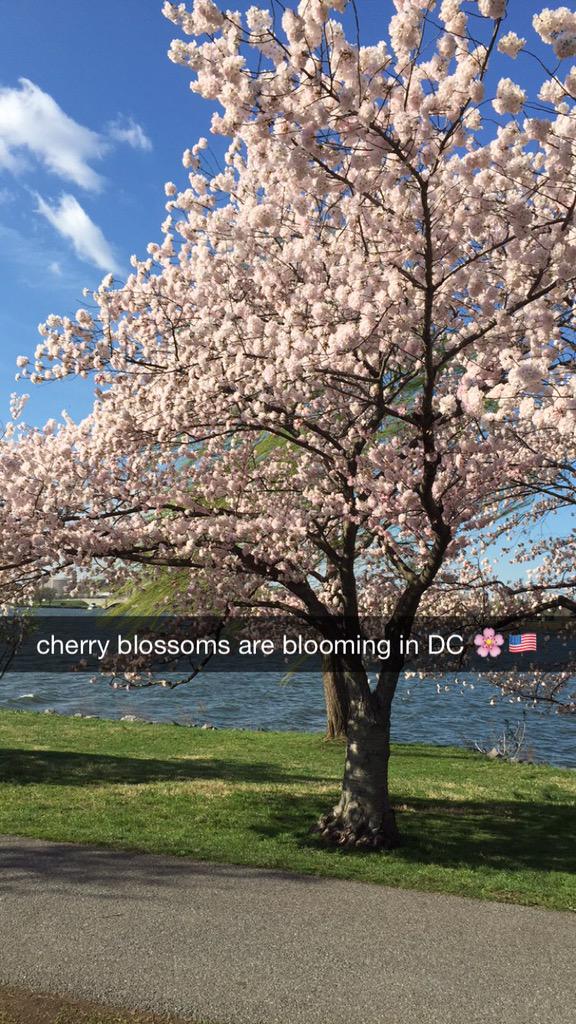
(470, 825)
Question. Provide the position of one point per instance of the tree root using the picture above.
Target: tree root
(351, 832)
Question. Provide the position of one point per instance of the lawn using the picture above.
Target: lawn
(471, 826)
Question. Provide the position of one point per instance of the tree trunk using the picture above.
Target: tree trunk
(336, 698)
(363, 816)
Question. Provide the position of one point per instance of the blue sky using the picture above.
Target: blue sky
(105, 67)
(93, 120)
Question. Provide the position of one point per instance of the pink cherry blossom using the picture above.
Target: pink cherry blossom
(511, 44)
(308, 387)
(510, 98)
(488, 643)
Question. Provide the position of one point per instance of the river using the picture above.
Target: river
(459, 714)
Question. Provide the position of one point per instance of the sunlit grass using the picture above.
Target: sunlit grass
(470, 825)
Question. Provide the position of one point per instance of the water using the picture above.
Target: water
(262, 701)
(440, 710)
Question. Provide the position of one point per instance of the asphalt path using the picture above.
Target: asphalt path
(234, 945)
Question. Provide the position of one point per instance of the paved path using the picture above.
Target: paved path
(234, 945)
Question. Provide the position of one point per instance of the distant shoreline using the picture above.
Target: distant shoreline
(73, 602)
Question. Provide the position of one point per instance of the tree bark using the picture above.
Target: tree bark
(336, 697)
(364, 816)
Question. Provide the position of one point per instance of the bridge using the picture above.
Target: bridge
(72, 600)
(95, 600)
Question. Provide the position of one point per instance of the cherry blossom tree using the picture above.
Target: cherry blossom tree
(349, 361)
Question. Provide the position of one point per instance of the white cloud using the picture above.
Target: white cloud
(129, 131)
(8, 160)
(27, 256)
(73, 223)
(32, 124)
(55, 268)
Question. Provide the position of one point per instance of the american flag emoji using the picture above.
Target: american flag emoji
(519, 642)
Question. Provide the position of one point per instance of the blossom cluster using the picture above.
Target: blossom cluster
(350, 353)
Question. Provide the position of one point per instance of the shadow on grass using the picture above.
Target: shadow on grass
(69, 768)
(502, 835)
(509, 835)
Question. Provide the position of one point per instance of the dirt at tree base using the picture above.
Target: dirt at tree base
(17, 1006)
